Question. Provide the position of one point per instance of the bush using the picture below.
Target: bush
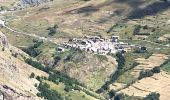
(68, 88)
(32, 75)
(156, 70)
(57, 59)
(120, 60)
(38, 78)
(136, 30)
(3, 49)
(144, 74)
(148, 73)
(145, 27)
(52, 30)
(122, 96)
(112, 93)
(111, 28)
(35, 85)
(152, 96)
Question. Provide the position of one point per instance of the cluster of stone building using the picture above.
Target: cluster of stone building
(96, 44)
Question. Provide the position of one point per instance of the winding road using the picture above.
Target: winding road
(31, 35)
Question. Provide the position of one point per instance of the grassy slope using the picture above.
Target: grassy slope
(90, 69)
(74, 95)
(15, 73)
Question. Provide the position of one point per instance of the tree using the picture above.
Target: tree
(38, 78)
(55, 26)
(52, 30)
(35, 85)
(145, 27)
(152, 96)
(112, 93)
(68, 88)
(146, 73)
(32, 75)
(32, 50)
(3, 49)
(57, 59)
(156, 70)
(136, 30)
(2, 8)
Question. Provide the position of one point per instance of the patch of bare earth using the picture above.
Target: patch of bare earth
(165, 37)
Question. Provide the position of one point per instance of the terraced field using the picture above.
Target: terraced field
(156, 83)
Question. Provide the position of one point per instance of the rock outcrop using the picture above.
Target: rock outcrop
(8, 93)
(3, 40)
(31, 2)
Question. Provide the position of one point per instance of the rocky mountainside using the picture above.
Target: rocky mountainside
(15, 83)
(31, 2)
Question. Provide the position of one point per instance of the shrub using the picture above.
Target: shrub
(38, 78)
(112, 93)
(68, 88)
(156, 70)
(145, 27)
(3, 49)
(152, 96)
(32, 75)
(111, 28)
(52, 30)
(57, 59)
(35, 85)
(144, 74)
(136, 30)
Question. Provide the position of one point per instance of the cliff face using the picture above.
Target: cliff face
(15, 83)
